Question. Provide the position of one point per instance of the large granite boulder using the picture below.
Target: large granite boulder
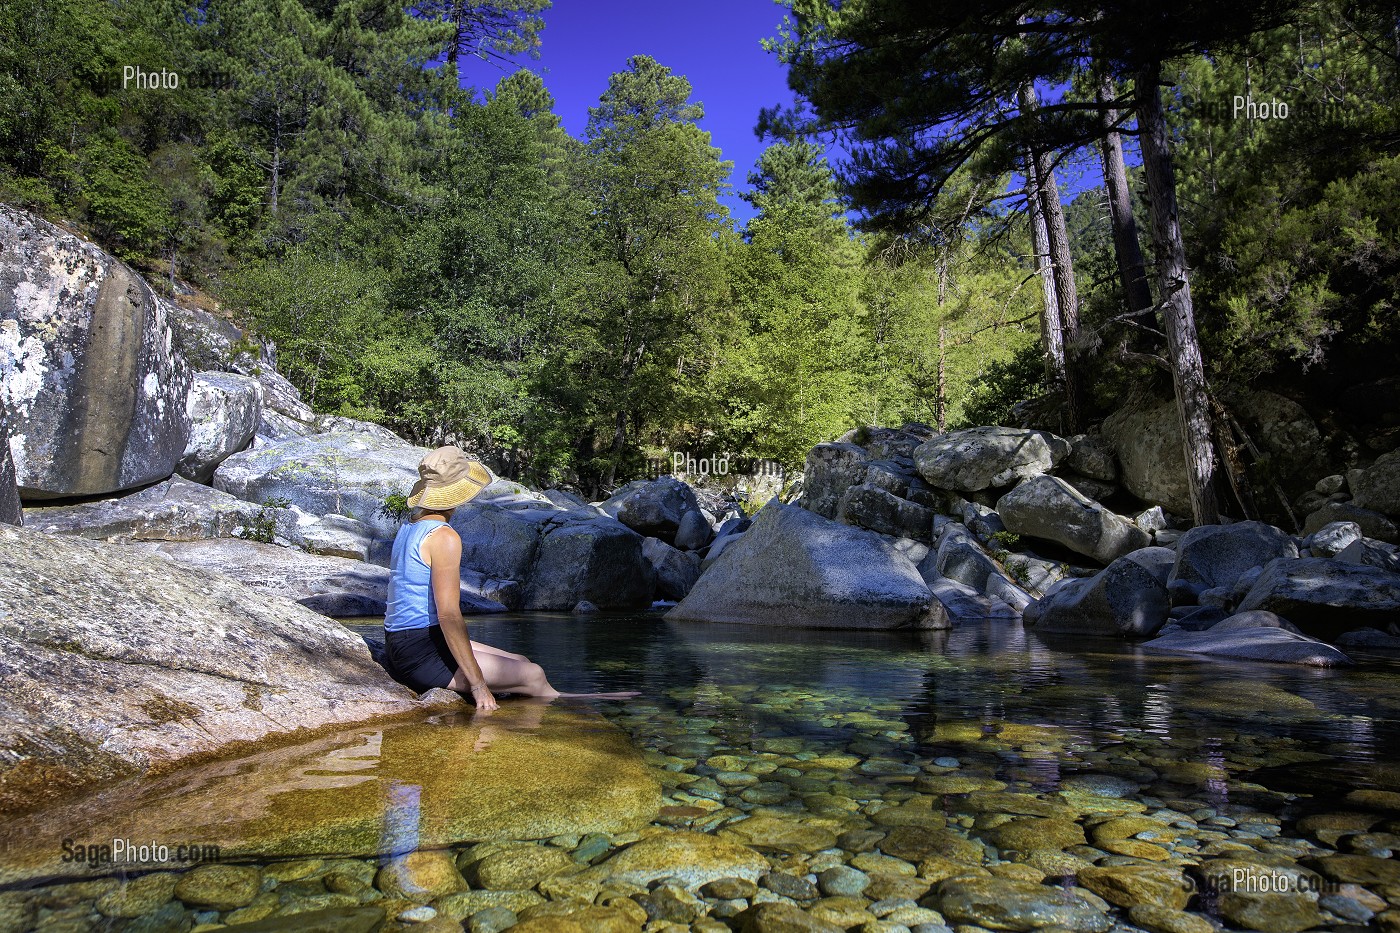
(92, 386)
(113, 662)
(676, 570)
(181, 510)
(795, 568)
(595, 559)
(988, 458)
(332, 586)
(652, 508)
(342, 474)
(1250, 636)
(1048, 508)
(175, 510)
(1127, 598)
(1326, 597)
(830, 470)
(1372, 552)
(1210, 556)
(500, 542)
(1373, 524)
(1091, 456)
(1378, 486)
(881, 511)
(11, 512)
(1147, 441)
(224, 412)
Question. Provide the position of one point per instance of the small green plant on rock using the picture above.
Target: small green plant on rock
(263, 526)
(395, 507)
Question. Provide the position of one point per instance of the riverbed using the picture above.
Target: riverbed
(982, 778)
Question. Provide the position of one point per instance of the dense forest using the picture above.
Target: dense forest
(450, 262)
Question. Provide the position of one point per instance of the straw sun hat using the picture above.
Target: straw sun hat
(447, 477)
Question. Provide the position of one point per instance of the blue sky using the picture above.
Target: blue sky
(715, 45)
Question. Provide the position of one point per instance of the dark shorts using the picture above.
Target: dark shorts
(419, 657)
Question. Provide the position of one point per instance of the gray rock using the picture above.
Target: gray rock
(1157, 561)
(117, 662)
(960, 558)
(988, 458)
(1212, 556)
(332, 586)
(275, 426)
(830, 470)
(342, 474)
(869, 506)
(1127, 598)
(1151, 520)
(1369, 638)
(565, 500)
(1219, 596)
(331, 535)
(1048, 508)
(175, 510)
(793, 567)
(652, 508)
(1090, 488)
(224, 412)
(1373, 553)
(717, 547)
(500, 542)
(280, 396)
(676, 570)
(982, 521)
(213, 344)
(584, 608)
(93, 388)
(1251, 637)
(11, 512)
(894, 478)
(1092, 456)
(694, 531)
(335, 424)
(960, 604)
(1198, 618)
(1331, 538)
(1147, 442)
(1373, 524)
(1329, 485)
(1326, 597)
(598, 560)
(1378, 486)
(1295, 447)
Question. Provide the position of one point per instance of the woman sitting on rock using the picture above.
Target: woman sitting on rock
(425, 634)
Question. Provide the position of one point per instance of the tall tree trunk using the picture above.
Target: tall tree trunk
(10, 511)
(1051, 338)
(1061, 264)
(1131, 268)
(1174, 287)
(940, 400)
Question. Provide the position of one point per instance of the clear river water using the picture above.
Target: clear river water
(971, 779)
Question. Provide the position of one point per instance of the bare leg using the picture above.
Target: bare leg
(513, 673)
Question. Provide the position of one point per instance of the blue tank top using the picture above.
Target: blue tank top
(411, 580)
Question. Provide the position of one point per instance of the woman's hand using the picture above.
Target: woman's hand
(483, 698)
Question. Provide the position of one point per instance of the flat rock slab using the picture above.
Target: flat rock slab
(333, 586)
(530, 770)
(113, 662)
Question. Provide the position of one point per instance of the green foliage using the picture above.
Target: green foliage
(1002, 384)
(395, 507)
(263, 526)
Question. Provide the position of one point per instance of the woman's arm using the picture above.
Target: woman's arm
(444, 549)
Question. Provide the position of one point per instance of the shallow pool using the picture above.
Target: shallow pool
(981, 778)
